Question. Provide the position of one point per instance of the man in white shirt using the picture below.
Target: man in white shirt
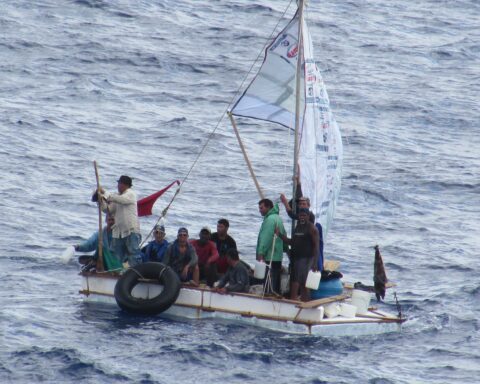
(126, 235)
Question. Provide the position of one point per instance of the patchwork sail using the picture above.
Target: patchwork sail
(271, 96)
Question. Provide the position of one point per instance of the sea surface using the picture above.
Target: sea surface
(141, 87)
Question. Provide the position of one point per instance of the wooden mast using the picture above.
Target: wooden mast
(247, 160)
(297, 108)
(100, 266)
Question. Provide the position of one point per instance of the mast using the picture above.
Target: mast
(297, 108)
(245, 156)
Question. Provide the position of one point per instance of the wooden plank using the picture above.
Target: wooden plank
(326, 300)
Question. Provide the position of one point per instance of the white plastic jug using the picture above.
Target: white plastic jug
(332, 310)
(259, 270)
(313, 280)
(361, 300)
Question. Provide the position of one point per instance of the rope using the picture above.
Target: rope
(138, 273)
(161, 273)
(268, 280)
(231, 102)
(110, 270)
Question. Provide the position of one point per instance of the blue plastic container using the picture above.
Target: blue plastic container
(327, 288)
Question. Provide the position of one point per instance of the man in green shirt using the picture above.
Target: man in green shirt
(270, 248)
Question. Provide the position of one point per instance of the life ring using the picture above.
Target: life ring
(155, 271)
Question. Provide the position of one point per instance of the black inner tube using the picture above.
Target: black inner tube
(154, 271)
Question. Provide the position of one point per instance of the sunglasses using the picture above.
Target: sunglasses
(183, 234)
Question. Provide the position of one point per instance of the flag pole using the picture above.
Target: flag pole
(247, 160)
(99, 265)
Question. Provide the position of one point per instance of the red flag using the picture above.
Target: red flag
(145, 205)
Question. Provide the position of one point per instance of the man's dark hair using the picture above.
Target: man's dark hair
(267, 203)
(232, 253)
(224, 222)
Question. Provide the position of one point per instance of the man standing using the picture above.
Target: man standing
(304, 203)
(223, 242)
(303, 255)
(270, 248)
(126, 231)
(207, 256)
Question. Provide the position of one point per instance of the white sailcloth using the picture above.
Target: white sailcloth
(271, 96)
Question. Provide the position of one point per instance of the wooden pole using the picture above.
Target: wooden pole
(247, 160)
(100, 266)
(297, 108)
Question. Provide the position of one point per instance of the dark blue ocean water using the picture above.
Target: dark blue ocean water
(139, 86)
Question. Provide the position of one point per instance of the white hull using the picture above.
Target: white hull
(271, 313)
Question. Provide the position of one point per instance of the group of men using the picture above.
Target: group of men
(210, 258)
(214, 257)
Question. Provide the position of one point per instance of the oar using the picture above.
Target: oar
(99, 266)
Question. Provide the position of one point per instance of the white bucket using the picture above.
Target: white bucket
(361, 300)
(332, 310)
(260, 270)
(313, 280)
(347, 310)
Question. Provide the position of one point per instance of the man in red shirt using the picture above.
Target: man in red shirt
(207, 256)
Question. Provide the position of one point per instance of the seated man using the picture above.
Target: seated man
(155, 249)
(236, 279)
(182, 258)
(223, 242)
(207, 256)
(91, 244)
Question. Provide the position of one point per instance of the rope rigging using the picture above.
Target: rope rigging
(210, 136)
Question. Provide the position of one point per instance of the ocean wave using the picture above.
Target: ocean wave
(100, 4)
(139, 85)
(62, 364)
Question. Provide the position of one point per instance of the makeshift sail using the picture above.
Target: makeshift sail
(271, 96)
